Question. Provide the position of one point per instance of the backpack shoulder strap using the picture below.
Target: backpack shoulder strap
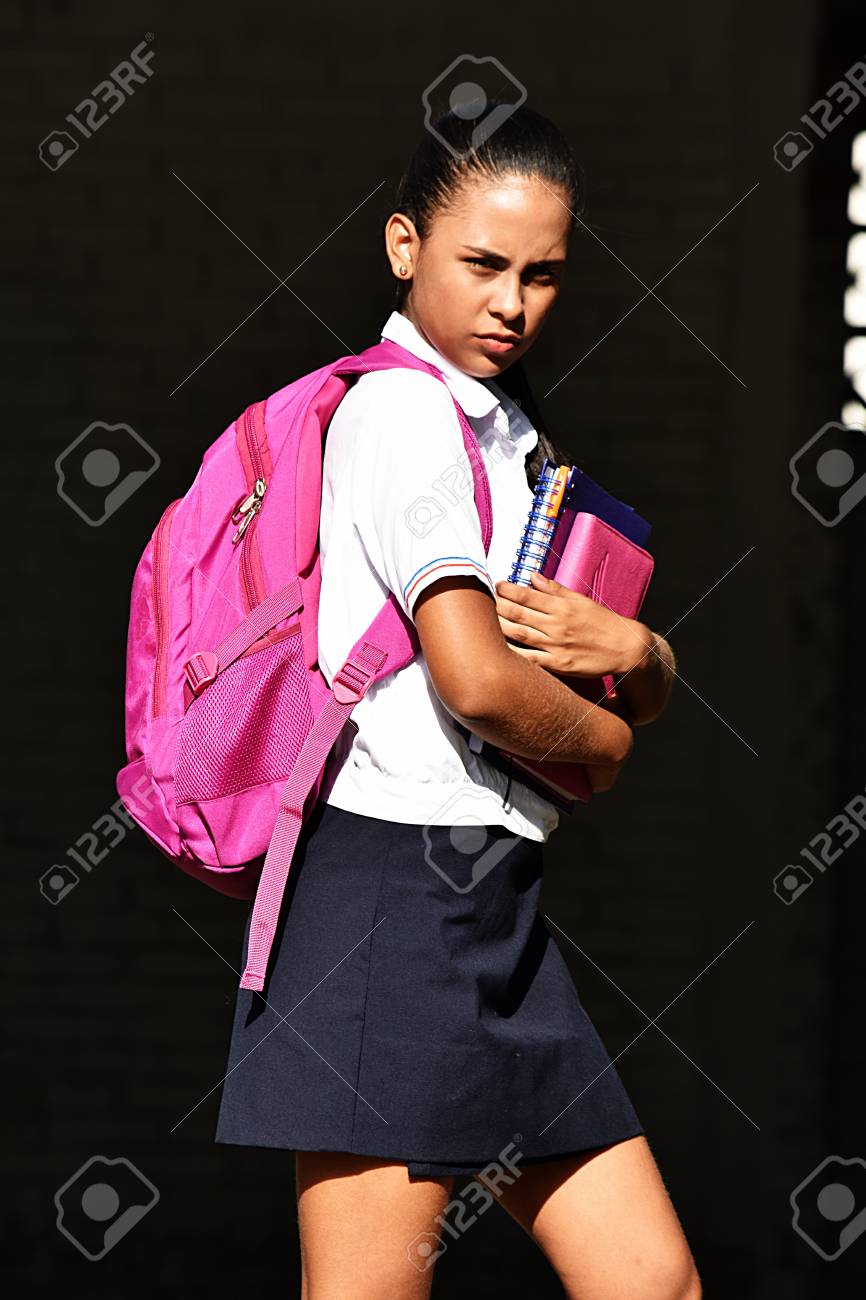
(388, 355)
(391, 630)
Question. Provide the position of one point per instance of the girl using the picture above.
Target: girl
(420, 1022)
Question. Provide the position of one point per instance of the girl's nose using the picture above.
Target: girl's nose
(507, 298)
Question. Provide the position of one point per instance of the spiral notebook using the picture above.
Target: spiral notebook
(586, 539)
(561, 493)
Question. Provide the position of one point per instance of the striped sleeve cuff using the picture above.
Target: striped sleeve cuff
(443, 566)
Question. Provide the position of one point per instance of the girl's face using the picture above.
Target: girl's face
(490, 265)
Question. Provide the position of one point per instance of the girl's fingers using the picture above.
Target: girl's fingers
(521, 632)
(537, 656)
(518, 597)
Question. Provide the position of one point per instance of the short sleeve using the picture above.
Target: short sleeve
(412, 490)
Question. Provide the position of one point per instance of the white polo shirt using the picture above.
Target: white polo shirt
(398, 513)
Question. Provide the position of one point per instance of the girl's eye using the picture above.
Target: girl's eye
(547, 277)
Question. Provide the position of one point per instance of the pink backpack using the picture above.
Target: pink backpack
(229, 719)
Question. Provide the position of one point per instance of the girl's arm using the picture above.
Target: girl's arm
(501, 696)
(646, 686)
(571, 635)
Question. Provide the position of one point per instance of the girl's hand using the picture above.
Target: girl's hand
(568, 633)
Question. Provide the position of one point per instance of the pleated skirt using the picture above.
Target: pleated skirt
(417, 1008)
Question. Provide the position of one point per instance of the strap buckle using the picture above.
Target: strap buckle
(351, 682)
(201, 669)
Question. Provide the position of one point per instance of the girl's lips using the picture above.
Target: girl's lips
(496, 345)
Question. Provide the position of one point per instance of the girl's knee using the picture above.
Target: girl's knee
(672, 1276)
(675, 1278)
(692, 1289)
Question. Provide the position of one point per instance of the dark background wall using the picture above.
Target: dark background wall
(130, 301)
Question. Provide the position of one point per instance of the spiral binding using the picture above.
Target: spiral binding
(539, 528)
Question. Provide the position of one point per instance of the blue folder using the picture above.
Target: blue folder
(583, 494)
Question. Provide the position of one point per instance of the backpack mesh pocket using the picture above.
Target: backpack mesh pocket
(248, 726)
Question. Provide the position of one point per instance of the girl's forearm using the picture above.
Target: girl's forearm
(521, 707)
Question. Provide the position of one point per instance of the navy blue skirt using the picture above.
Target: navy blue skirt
(417, 1008)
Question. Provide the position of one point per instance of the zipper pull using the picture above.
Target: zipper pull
(241, 508)
(253, 501)
(247, 520)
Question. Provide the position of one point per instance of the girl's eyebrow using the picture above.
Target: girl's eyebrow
(503, 261)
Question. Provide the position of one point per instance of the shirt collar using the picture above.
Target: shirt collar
(482, 400)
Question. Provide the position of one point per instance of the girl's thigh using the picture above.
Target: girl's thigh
(606, 1224)
(366, 1230)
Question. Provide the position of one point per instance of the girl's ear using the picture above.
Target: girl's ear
(401, 240)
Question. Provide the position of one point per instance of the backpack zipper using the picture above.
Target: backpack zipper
(159, 595)
(245, 511)
(249, 509)
(253, 444)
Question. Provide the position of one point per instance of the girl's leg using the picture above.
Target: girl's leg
(366, 1231)
(606, 1224)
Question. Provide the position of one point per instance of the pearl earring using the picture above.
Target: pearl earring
(402, 270)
